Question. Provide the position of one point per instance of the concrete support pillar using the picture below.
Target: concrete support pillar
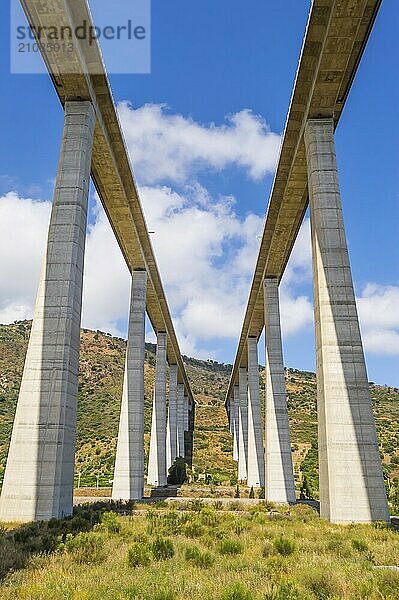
(351, 482)
(243, 424)
(256, 458)
(171, 434)
(157, 458)
(180, 420)
(186, 426)
(129, 465)
(235, 418)
(279, 480)
(38, 481)
(189, 435)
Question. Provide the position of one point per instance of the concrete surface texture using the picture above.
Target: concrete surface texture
(171, 433)
(38, 481)
(279, 480)
(157, 458)
(256, 458)
(351, 482)
(128, 481)
(243, 425)
(235, 419)
(180, 420)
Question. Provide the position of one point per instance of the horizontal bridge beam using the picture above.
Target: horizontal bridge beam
(336, 35)
(80, 74)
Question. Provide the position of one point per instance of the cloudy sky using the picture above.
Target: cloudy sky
(203, 132)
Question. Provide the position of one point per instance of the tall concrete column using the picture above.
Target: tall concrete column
(279, 480)
(171, 439)
(243, 424)
(256, 457)
(38, 481)
(157, 459)
(180, 420)
(129, 464)
(235, 419)
(351, 481)
(186, 426)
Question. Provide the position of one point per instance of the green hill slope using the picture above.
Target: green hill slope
(100, 389)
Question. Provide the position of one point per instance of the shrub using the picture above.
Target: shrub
(284, 591)
(267, 549)
(251, 493)
(194, 529)
(164, 595)
(324, 584)
(359, 545)
(230, 547)
(284, 546)
(162, 549)
(236, 591)
(237, 492)
(85, 547)
(109, 522)
(138, 555)
(203, 560)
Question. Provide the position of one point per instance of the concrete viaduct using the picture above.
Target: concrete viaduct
(351, 480)
(38, 481)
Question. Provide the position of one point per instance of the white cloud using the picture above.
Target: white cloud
(170, 147)
(23, 230)
(378, 307)
(205, 250)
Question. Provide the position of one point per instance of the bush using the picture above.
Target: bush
(85, 547)
(162, 549)
(194, 529)
(178, 472)
(251, 493)
(236, 591)
(138, 555)
(267, 550)
(359, 545)
(109, 522)
(203, 560)
(324, 584)
(284, 546)
(284, 591)
(230, 547)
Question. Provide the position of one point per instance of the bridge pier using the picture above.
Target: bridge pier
(171, 434)
(243, 424)
(351, 482)
(128, 481)
(256, 457)
(279, 481)
(235, 422)
(157, 458)
(180, 420)
(38, 481)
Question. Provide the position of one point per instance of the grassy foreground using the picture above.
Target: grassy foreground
(198, 553)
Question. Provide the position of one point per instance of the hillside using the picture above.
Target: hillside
(100, 388)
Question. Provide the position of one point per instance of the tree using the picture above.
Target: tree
(177, 472)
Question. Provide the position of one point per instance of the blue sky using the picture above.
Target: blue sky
(217, 98)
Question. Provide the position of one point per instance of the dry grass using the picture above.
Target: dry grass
(324, 562)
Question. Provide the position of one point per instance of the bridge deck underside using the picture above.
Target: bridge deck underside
(335, 38)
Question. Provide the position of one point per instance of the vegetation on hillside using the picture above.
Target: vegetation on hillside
(100, 389)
